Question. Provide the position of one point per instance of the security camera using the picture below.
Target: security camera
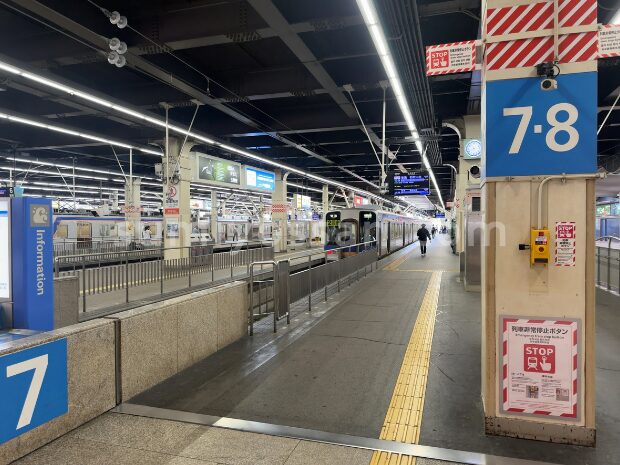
(549, 84)
(474, 171)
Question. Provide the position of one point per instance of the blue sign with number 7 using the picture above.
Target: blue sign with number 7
(530, 131)
(33, 388)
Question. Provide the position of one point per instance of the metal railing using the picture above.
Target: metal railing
(279, 288)
(192, 266)
(608, 263)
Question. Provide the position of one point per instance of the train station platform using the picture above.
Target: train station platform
(386, 371)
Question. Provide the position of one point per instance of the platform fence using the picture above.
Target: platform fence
(607, 265)
(276, 292)
(136, 276)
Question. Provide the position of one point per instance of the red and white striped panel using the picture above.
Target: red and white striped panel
(519, 53)
(526, 53)
(574, 48)
(538, 16)
(279, 208)
(461, 52)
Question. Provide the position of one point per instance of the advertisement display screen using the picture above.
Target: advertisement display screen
(409, 184)
(5, 253)
(258, 179)
(302, 202)
(218, 171)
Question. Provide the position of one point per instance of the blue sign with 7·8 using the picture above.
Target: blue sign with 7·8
(33, 388)
(530, 131)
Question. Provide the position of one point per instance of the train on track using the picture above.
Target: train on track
(389, 231)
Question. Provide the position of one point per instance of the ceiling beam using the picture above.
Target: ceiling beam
(272, 16)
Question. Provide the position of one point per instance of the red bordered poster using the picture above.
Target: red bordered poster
(540, 367)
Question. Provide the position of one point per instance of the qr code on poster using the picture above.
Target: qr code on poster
(562, 394)
(531, 392)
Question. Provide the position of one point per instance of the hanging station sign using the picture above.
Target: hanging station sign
(408, 184)
(259, 179)
(216, 171)
(540, 367)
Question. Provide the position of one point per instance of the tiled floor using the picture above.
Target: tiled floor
(117, 439)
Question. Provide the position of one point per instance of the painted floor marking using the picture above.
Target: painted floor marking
(403, 420)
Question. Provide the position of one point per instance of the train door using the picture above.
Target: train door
(368, 229)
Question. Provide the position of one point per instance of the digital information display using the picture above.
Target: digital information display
(217, 171)
(409, 184)
(5, 252)
(258, 179)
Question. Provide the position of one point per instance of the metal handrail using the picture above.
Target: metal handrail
(609, 239)
(276, 285)
(123, 252)
(311, 252)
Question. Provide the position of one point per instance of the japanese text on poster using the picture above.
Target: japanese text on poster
(565, 243)
(540, 367)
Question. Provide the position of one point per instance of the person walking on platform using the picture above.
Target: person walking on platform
(433, 231)
(423, 236)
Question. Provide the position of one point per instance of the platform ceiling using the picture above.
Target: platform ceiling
(272, 76)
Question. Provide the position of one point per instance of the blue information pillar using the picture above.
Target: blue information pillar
(32, 263)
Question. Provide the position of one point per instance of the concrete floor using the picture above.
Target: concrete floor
(337, 376)
(334, 370)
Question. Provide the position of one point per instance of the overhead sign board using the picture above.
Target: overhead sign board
(608, 41)
(217, 171)
(408, 184)
(358, 200)
(539, 366)
(259, 179)
(5, 250)
(531, 132)
(456, 57)
(33, 388)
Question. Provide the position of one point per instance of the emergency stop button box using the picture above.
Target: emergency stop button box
(539, 246)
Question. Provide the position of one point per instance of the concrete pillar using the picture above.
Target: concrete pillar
(213, 217)
(177, 214)
(325, 204)
(279, 213)
(132, 209)
(539, 163)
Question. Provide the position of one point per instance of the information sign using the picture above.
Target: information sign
(33, 388)
(217, 171)
(408, 184)
(531, 131)
(32, 263)
(258, 179)
(565, 243)
(457, 57)
(302, 202)
(171, 204)
(609, 41)
(5, 250)
(539, 362)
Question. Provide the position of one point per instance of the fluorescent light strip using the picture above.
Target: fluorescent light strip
(83, 135)
(108, 104)
(371, 19)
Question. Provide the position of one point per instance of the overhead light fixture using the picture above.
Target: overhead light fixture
(371, 18)
(52, 127)
(162, 123)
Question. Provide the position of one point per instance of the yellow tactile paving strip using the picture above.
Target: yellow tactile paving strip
(404, 416)
(393, 266)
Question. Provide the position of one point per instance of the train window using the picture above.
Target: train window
(62, 231)
(332, 227)
(83, 230)
(348, 232)
(368, 226)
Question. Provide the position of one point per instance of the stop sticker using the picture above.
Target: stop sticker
(539, 358)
